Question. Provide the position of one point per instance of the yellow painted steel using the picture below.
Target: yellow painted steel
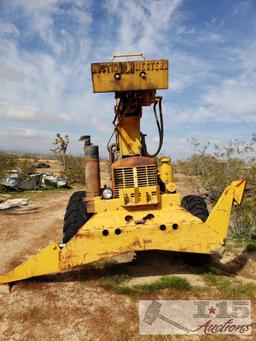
(129, 136)
(130, 75)
(218, 220)
(166, 226)
(165, 170)
(138, 196)
(124, 55)
(166, 174)
(44, 262)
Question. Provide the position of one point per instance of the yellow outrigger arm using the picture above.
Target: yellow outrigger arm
(107, 234)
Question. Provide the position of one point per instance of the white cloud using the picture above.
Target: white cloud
(39, 85)
(24, 139)
(142, 24)
(212, 37)
(47, 79)
(25, 133)
(34, 140)
(30, 114)
(208, 36)
(84, 19)
(234, 97)
(9, 28)
(187, 70)
(35, 6)
(245, 57)
(241, 8)
(176, 115)
(228, 99)
(99, 125)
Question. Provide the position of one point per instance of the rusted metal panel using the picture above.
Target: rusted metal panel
(90, 204)
(92, 177)
(92, 167)
(130, 75)
(134, 161)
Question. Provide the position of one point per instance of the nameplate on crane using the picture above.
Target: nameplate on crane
(130, 75)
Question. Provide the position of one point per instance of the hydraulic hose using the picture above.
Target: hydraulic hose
(160, 128)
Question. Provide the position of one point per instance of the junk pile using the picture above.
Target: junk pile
(13, 181)
(11, 203)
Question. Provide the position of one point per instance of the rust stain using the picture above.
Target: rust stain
(85, 233)
(90, 205)
(134, 161)
(183, 249)
(136, 243)
(109, 254)
(92, 177)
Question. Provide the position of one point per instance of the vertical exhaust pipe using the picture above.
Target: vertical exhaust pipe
(92, 167)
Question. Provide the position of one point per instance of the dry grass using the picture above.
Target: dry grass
(231, 288)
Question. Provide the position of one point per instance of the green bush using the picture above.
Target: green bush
(75, 169)
(243, 219)
(251, 246)
(26, 167)
(218, 166)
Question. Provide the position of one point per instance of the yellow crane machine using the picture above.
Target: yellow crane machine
(142, 210)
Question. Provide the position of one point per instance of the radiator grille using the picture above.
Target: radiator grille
(129, 177)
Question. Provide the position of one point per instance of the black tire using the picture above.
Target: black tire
(196, 206)
(75, 216)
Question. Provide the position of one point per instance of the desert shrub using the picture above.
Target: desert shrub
(243, 219)
(218, 166)
(251, 246)
(74, 169)
(251, 174)
(26, 167)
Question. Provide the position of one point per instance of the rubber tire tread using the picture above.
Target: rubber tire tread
(196, 206)
(75, 216)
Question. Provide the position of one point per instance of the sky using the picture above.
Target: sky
(47, 46)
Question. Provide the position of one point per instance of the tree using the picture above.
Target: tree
(62, 145)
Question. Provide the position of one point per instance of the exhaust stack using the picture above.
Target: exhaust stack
(92, 167)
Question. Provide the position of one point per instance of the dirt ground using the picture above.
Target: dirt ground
(74, 305)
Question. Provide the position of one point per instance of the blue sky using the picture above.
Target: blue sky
(46, 47)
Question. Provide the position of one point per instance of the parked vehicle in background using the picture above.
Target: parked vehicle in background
(14, 182)
(11, 181)
(42, 165)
